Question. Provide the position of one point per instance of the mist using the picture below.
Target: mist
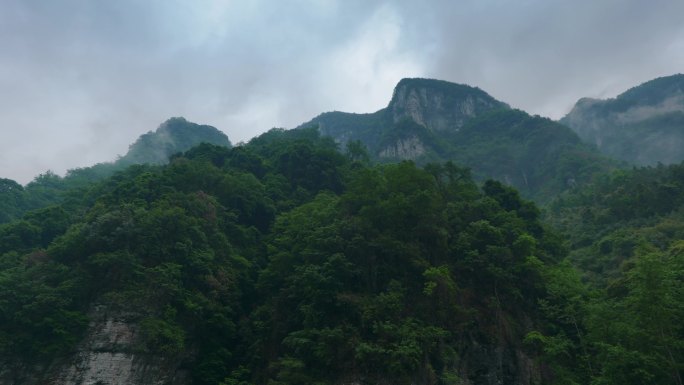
(81, 80)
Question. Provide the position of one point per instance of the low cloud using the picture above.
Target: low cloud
(80, 80)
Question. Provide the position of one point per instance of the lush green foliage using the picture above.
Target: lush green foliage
(625, 233)
(387, 280)
(609, 220)
(173, 136)
(539, 157)
(284, 261)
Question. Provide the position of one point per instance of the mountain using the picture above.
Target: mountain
(539, 157)
(433, 120)
(643, 126)
(175, 135)
(285, 262)
(419, 109)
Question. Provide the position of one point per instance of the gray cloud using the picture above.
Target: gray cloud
(81, 79)
(543, 55)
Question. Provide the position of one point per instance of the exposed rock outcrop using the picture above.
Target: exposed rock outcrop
(409, 148)
(109, 354)
(433, 106)
(439, 105)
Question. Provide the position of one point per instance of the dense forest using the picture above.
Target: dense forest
(286, 261)
(300, 258)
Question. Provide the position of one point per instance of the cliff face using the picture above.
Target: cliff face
(439, 105)
(432, 108)
(110, 353)
(643, 126)
(408, 148)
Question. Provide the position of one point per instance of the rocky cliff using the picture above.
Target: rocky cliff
(439, 105)
(432, 108)
(434, 121)
(109, 354)
(406, 148)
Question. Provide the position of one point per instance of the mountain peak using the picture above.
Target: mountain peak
(642, 126)
(439, 105)
(436, 85)
(173, 136)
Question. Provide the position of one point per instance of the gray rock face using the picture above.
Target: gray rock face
(108, 355)
(101, 357)
(409, 148)
(439, 105)
(434, 106)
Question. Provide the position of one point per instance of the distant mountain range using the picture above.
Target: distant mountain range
(431, 120)
(643, 126)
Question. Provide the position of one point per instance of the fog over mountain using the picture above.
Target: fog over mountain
(80, 80)
(643, 126)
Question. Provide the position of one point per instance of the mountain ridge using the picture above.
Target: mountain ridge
(283, 261)
(437, 105)
(430, 120)
(175, 135)
(643, 125)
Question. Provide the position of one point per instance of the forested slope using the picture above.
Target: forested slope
(288, 261)
(175, 135)
(625, 234)
(283, 261)
(430, 120)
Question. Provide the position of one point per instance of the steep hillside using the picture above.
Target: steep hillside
(621, 215)
(625, 233)
(432, 120)
(432, 105)
(286, 262)
(278, 262)
(541, 158)
(643, 126)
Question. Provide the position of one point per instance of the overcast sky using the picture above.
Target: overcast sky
(81, 79)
